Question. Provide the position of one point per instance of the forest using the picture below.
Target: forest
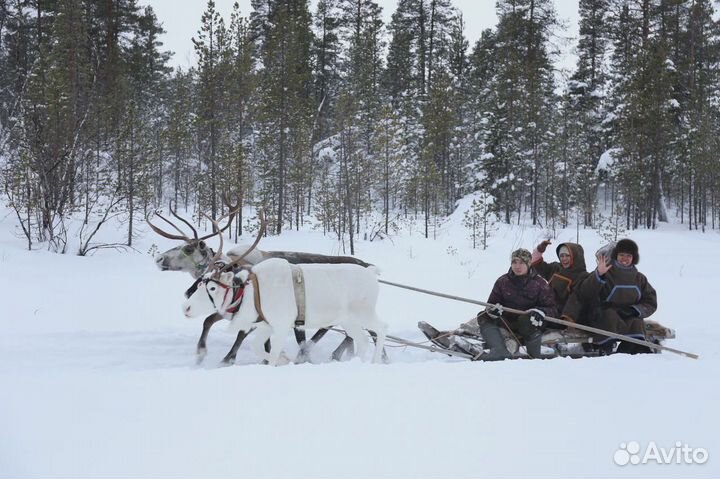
(335, 119)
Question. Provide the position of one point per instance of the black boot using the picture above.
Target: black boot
(627, 347)
(495, 341)
(606, 348)
(533, 345)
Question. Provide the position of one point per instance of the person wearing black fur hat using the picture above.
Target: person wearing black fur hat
(563, 276)
(619, 297)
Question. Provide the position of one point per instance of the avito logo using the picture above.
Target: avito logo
(631, 453)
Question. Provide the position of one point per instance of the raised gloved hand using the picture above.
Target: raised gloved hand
(494, 311)
(536, 317)
(543, 246)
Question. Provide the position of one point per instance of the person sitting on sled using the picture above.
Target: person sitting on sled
(520, 288)
(563, 276)
(619, 298)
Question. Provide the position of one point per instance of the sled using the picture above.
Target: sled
(572, 343)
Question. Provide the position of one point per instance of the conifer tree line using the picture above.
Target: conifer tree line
(334, 116)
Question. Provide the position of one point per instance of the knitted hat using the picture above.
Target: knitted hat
(627, 246)
(521, 254)
(563, 250)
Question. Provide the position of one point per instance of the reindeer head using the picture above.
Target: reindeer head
(213, 294)
(194, 256)
(220, 287)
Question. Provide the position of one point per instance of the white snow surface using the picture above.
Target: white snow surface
(98, 373)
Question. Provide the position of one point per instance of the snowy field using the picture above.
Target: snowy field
(98, 374)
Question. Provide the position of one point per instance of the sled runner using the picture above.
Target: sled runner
(467, 339)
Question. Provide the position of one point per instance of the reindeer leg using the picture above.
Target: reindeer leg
(319, 335)
(378, 331)
(230, 356)
(262, 336)
(277, 339)
(300, 336)
(385, 358)
(346, 344)
(201, 345)
(267, 351)
(304, 348)
(302, 343)
(357, 333)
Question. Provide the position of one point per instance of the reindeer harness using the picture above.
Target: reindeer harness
(239, 291)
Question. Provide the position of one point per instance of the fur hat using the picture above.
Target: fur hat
(523, 255)
(627, 246)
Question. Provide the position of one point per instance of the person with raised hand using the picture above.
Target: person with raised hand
(563, 275)
(619, 297)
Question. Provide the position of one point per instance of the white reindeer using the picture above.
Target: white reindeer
(341, 295)
(196, 257)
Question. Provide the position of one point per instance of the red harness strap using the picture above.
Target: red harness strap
(236, 300)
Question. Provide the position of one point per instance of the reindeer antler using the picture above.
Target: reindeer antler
(231, 207)
(165, 234)
(219, 231)
(231, 214)
(172, 210)
(261, 232)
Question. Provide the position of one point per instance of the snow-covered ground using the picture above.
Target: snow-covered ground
(98, 374)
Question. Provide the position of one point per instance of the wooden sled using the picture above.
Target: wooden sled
(556, 342)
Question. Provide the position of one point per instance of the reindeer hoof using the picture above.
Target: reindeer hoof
(200, 355)
(227, 361)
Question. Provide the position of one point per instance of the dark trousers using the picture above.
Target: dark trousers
(519, 326)
(610, 319)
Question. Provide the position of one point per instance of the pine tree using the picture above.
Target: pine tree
(398, 76)
(586, 107)
(56, 112)
(646, 118)
(238, 102)
(480, 220)
(518, 118)
(211, 44)
(178, 137)
(286, 108)
(698, 167)
(390, 151)
(326, 51)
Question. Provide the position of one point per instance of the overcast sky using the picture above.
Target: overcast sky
(181, 20)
